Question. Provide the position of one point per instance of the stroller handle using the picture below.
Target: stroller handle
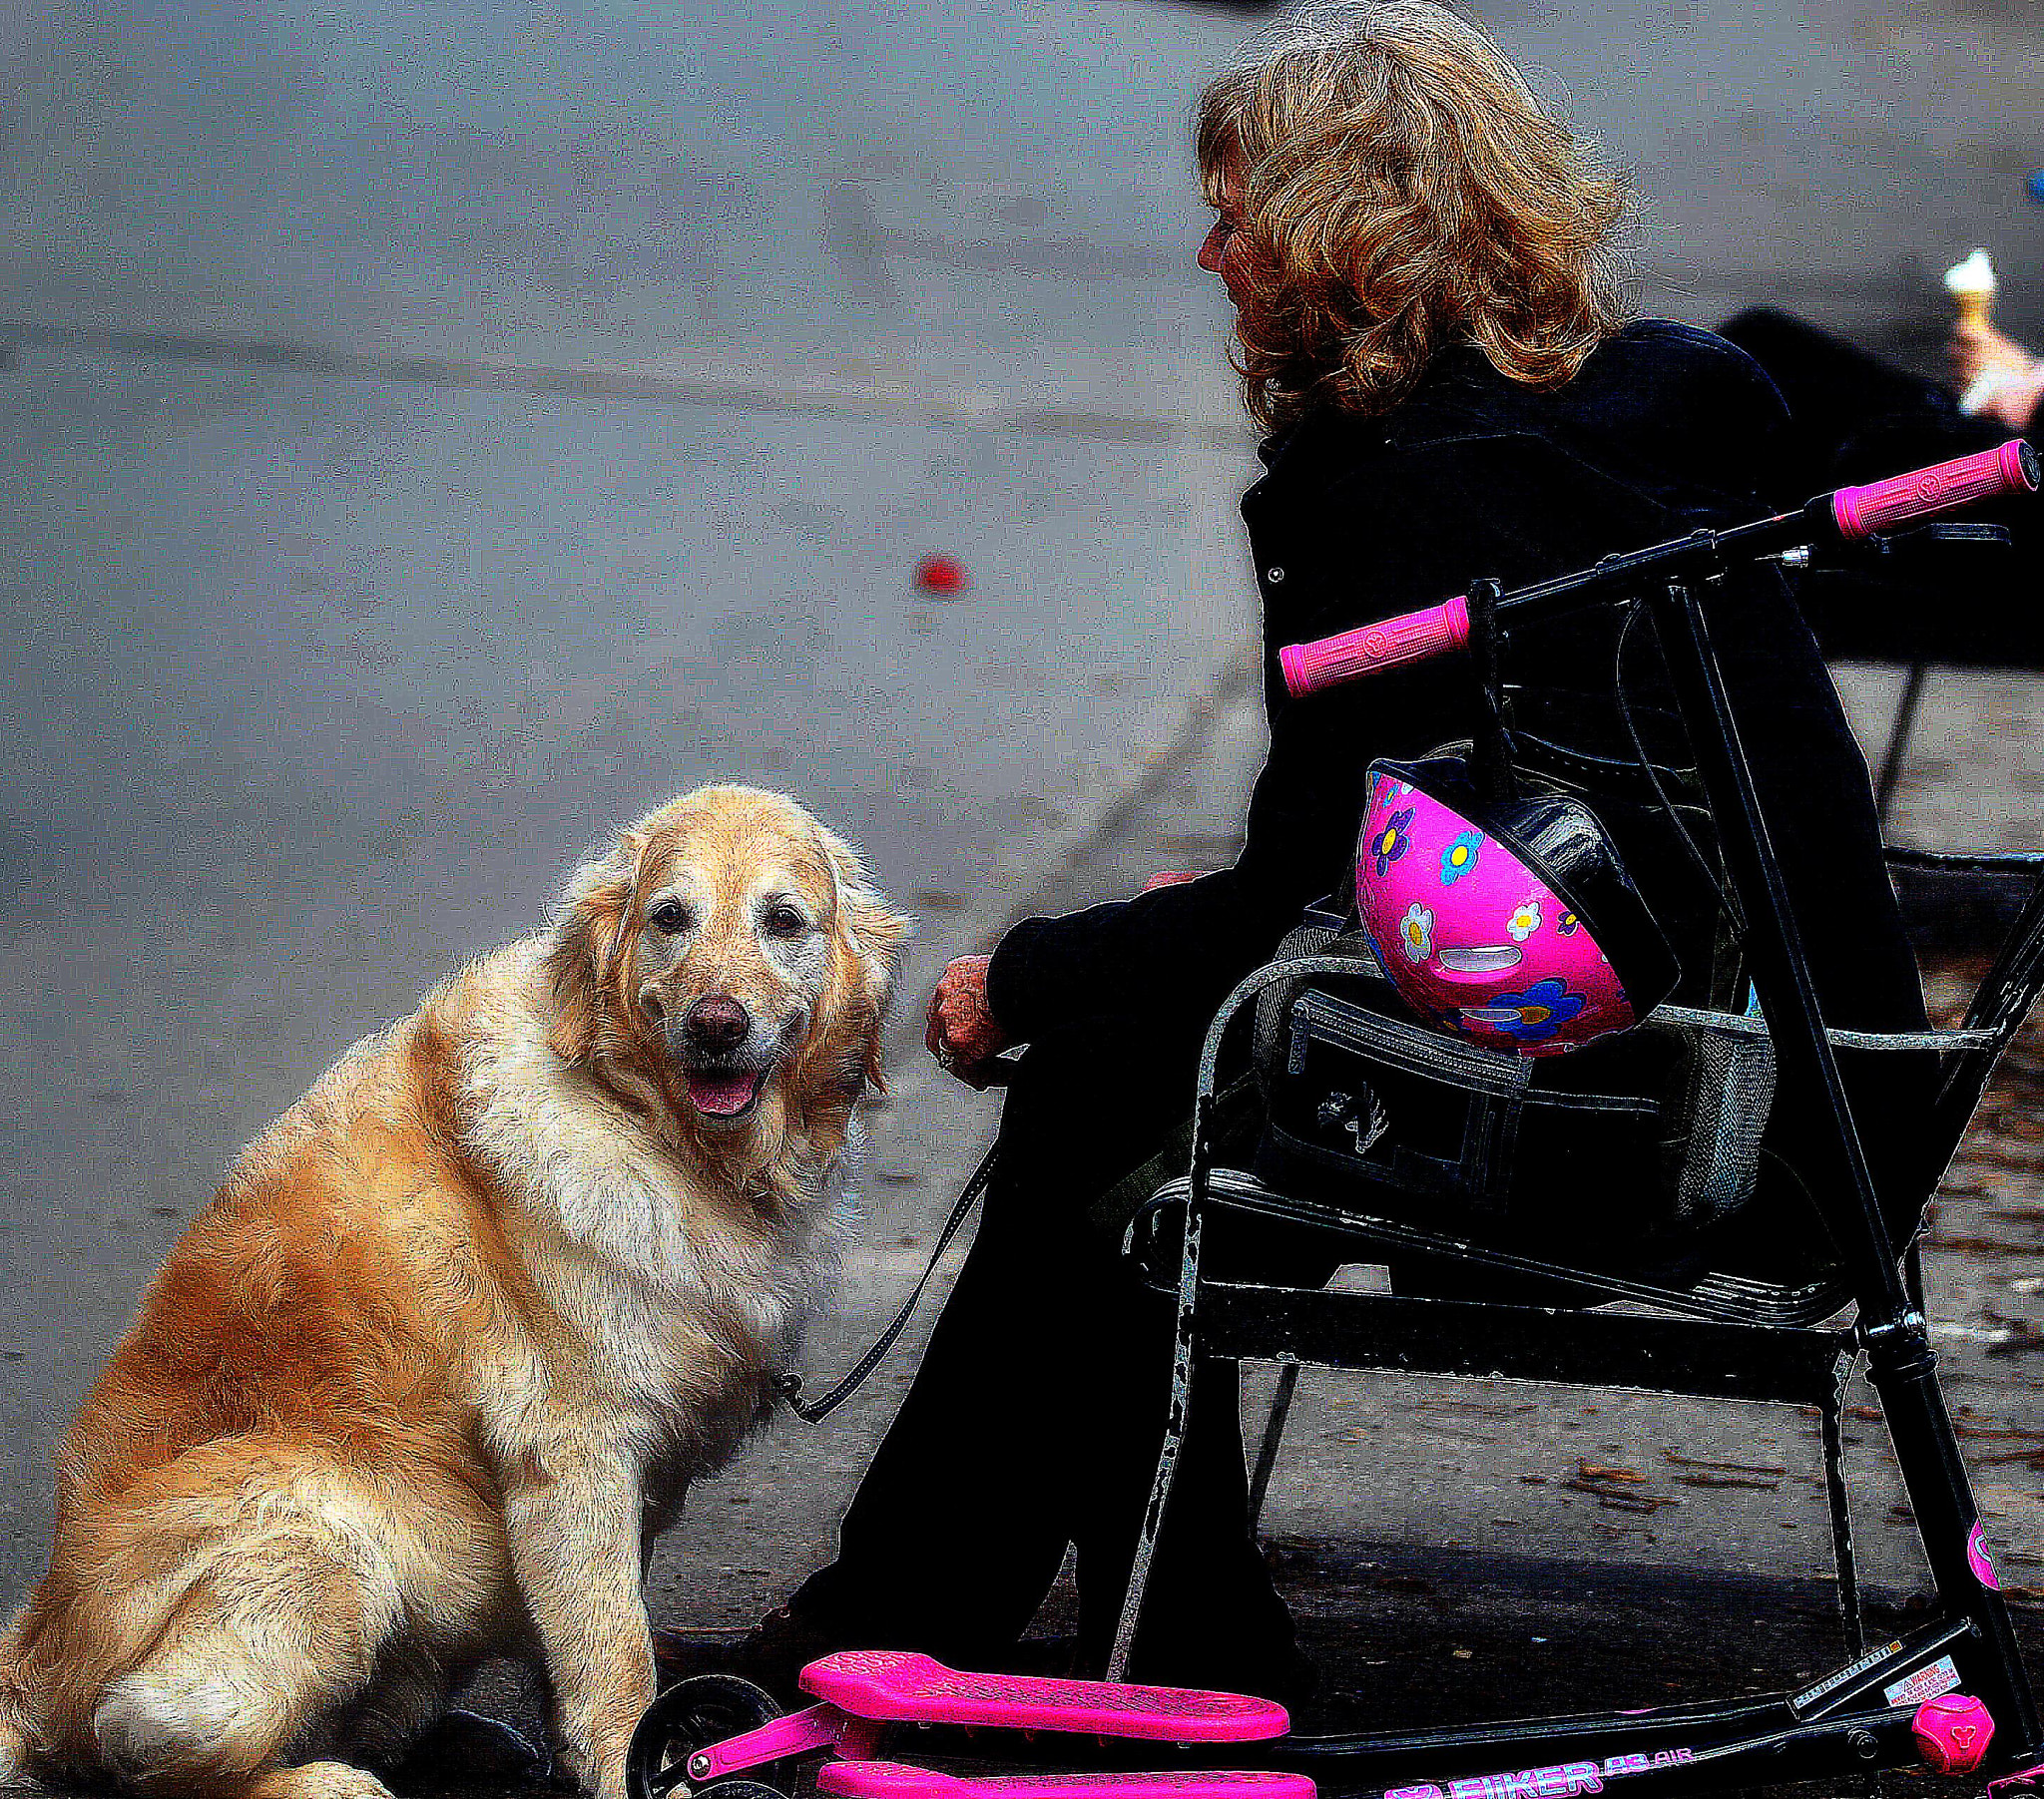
(1854, 513)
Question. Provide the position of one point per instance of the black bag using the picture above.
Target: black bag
(1626, 1145)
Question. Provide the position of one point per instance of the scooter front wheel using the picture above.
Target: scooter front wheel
(691, 1715)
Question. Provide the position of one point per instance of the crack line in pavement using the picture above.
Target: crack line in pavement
(600, 381)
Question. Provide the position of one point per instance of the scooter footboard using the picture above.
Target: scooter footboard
(1738, 1746)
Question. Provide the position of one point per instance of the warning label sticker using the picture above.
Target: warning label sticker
(1927, 1684)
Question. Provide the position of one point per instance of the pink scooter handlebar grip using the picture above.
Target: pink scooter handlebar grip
(1388, 644)
(1861, 511)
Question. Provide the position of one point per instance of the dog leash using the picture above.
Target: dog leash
(789, 1386)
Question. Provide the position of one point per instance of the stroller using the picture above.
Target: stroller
(1338, 1064)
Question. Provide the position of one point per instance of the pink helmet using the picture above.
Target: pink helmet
(1509, 922)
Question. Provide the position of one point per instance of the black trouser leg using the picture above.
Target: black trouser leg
(1846, 404)
(1210, 1616)
(1035, 1417)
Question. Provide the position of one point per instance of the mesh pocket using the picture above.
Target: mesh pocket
(1716, 1111)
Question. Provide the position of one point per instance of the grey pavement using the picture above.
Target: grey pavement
(809, 174)
(344, 674)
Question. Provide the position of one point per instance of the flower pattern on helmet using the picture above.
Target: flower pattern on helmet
(1391, 842)
(1459, 858)
(1431, 881)
(1542, 1010)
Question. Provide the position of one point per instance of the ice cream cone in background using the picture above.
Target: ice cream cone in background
(1971, 285)
(1996, 362)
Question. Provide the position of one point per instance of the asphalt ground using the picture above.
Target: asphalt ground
(346, 674)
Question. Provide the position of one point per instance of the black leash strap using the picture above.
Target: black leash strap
(789, 1385)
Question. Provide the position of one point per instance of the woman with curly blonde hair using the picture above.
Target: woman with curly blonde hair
(1401, 190)
(1425, 276)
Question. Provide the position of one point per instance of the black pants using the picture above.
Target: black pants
(1035, 1418)
(1853, 416)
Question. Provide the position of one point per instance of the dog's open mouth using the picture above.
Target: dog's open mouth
(722, 1094)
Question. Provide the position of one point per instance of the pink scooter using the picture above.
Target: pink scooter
(685, 1741)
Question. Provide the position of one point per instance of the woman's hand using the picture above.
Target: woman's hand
(962, 1032)
(1978, 349)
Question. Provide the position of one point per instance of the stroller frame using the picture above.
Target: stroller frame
(1751, 1341)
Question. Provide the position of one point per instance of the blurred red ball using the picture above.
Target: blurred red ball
(940, 575)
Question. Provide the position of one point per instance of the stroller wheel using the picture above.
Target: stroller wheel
(691, 1715)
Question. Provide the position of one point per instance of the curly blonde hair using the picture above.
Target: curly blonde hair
(1401, 188)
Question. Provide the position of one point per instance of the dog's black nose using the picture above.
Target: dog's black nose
(717, 1025)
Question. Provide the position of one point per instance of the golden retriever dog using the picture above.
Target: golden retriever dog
(423, 1379)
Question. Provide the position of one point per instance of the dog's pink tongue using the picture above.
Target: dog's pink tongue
(722, 1094)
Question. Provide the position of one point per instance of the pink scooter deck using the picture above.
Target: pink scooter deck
(903, 1688)
(891, 1780)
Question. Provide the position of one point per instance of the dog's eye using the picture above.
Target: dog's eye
(668, 917)
(785, 921)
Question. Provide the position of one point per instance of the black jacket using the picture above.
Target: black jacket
(1665, 428)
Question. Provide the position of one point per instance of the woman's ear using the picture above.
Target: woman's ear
(591, 939)
(874, 932)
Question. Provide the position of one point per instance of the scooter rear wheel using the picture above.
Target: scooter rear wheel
(691, 1715)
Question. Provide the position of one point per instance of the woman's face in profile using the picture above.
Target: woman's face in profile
(1221, 252)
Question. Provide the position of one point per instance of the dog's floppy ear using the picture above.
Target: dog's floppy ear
(874, 932)
(591, 936)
